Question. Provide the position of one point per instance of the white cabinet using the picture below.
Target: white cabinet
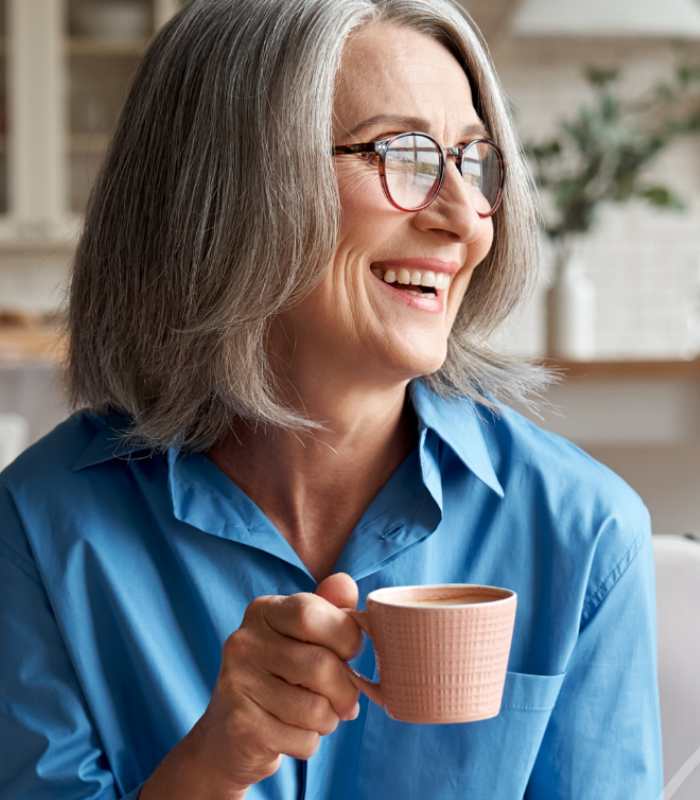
(3, 108)
(65, 70)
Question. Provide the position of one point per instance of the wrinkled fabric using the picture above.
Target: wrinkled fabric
(122, 573)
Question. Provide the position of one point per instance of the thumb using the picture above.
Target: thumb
(339, 589)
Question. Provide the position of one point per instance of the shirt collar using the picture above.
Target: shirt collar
(107, 443)
(456, 420)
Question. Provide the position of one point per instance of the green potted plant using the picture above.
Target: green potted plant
(599, 155)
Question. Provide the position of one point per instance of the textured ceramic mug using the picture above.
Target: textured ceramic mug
(442, 650)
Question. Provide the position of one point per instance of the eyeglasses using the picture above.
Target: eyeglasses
(412, 169)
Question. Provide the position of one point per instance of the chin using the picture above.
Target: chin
(430, 370)
(415, 367)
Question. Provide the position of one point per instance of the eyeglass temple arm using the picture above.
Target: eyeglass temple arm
(349, 149)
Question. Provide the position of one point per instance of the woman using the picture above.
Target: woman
(271, 424)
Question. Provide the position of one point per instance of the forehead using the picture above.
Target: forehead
(391, 69)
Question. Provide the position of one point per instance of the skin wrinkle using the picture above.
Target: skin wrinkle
(358, 321)
(361, 181)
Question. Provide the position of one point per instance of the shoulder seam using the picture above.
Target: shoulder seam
(594, 601)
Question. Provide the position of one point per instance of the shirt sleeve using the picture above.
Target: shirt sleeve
(604, 736)
(50, 750)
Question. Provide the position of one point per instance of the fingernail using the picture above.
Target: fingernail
(355, 712)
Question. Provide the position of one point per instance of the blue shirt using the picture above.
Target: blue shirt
(122, 574)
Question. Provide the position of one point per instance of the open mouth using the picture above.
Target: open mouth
(413, 289)
(414, 282)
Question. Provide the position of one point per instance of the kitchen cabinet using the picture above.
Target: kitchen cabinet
(65, 67)
(3, 108)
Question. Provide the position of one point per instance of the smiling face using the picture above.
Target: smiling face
(354, 321)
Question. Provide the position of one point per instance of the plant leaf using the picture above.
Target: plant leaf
(600, 76)
(662, 197)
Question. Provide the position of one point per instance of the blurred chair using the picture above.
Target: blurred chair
(14, 437)
(677, 560)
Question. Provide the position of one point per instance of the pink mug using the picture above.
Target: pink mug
(442, 650)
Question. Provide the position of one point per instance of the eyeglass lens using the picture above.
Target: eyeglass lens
(412, 169)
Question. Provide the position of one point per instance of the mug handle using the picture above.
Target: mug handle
(370, 688)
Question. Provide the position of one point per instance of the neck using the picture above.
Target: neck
(318, 484)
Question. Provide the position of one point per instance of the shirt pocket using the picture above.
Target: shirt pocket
(526, 691)
(490, 758)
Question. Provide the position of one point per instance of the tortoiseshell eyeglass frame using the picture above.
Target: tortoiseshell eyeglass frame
(380, 147)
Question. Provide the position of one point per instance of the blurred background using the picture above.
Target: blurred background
(606, 98)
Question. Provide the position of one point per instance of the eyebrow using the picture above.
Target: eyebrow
(414, 123)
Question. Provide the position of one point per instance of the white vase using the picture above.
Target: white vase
(571, 312)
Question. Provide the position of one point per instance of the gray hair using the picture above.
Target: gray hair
(217, 207)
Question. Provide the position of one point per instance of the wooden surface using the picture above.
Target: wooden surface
(626, 370)
(30, 343)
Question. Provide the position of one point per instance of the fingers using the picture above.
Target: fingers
(309, 618)
(339, 589)
(297, 663)
(295, 705)
(266, 736)
(256, 649)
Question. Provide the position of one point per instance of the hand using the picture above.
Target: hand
(283, 684)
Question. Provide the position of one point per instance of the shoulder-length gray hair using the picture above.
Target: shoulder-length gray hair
(217, 207)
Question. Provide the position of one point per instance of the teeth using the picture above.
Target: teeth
(439, 280)
(443, 280)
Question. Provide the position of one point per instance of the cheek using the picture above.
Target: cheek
(357, 182)
(482, 246)
(362, 201)
(478, 251)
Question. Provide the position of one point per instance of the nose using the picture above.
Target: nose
(453, 210)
